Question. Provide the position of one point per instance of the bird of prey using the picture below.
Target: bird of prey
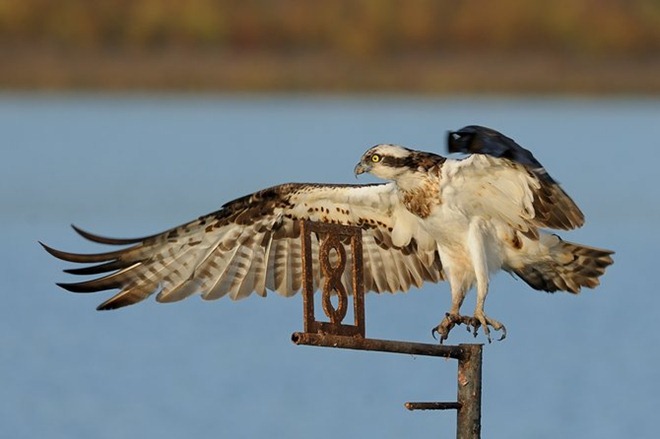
(434, 219)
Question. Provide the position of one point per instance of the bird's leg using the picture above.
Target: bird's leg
(477, 251)
(480, 318)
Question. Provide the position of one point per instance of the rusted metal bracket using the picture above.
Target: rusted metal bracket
(332, 238)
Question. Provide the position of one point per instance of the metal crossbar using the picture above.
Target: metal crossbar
(332, 239)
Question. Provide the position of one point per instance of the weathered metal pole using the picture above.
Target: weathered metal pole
(336, 334)
(372, 344)
(468, 423)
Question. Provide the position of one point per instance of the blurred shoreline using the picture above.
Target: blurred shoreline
(345, 46)
(32, 67)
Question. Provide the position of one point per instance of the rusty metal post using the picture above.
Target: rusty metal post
(336, 334)
(374, 344)
(468, 423)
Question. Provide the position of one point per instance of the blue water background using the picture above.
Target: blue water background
(583, 366)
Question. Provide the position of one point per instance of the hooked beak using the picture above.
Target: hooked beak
(361, 168)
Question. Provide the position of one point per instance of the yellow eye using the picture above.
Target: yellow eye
(375, 158)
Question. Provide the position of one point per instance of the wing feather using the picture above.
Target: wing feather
(501, 189)
(218, 286)
(261, 269)
(389, 270)
(105, 240)
(247, 283)
(281, 252)
(378, 280)
(253, 244)
(242, 262)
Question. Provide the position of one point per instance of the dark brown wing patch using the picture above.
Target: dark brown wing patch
(555, 209)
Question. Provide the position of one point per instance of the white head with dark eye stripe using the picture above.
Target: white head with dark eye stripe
(386, 161)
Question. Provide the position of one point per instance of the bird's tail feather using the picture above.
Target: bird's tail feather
(566, 267)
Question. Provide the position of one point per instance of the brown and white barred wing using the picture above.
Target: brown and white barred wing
(253, 244)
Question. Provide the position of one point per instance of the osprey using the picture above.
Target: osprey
(435, 219)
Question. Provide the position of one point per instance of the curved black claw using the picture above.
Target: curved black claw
(484, 322)
(472, 325)
(451, 320)
(443, 328)
(503, 336)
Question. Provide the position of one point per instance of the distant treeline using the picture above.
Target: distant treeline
(371, 28)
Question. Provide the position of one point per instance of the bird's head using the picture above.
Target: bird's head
(475, 139)
(467, 139)
(385, 161)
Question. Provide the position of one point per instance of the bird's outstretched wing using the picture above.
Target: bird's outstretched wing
(503, 180)
(253, 244)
